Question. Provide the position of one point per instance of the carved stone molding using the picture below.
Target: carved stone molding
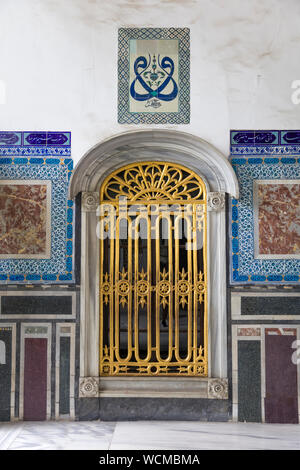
(89, 387)
(215, 201)
(90, 201)
(218, 389)
(92, 387)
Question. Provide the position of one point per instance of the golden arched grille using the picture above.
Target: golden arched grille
(153, 295)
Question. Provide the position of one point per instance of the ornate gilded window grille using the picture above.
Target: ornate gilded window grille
(153, 294)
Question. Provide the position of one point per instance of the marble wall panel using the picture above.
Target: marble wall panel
(36, 371)
(277, 219)
(36, 305)
(65, 371)
(64, 376)
(248, 331)
(275, 305)
(35, 379)
(177, 409)
(249, 381)
(266, 371)
(281, 401)
(25, 219)
(5, 372)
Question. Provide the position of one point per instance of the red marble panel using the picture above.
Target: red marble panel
(281, 402)
(279, 219)
(35, 379)
(23, 214)
(248, 331)
(281, 331)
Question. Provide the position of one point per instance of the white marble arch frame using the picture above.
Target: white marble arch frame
(153, 145)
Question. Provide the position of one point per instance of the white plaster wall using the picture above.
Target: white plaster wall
(58, 64)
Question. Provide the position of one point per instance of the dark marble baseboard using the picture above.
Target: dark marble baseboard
(87, 409)
(172, 409)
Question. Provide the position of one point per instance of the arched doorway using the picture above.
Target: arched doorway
(153, 291)
(216, 178)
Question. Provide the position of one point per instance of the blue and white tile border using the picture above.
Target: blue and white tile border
(263, 142)
(124, 114)
(249, 167)
(45, 139)
(42, 156)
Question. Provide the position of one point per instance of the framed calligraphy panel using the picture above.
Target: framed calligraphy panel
(154, 76)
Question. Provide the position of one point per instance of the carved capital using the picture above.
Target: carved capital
(90, 201)
(215, 201)
(218, 389)
(89, 387)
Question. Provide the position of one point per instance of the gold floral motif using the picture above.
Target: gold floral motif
(123, 287)
(105, 288)
(164, 288)
(158, 181)
(142, 288)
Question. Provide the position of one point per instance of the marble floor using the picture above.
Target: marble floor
(146, 435)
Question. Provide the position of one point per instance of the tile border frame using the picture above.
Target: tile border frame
(37, 159)
(256, 166)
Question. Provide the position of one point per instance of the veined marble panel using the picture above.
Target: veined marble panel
(248, 331)
(25, 219)
(276, 219)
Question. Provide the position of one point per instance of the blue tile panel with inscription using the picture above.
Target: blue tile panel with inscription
(42, 156)
(260, 155)
(150, 65)
(264, 142)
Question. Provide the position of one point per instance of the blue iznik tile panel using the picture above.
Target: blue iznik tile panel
(264, 142)
(154, 76)
(267, 165)
(35, 158)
